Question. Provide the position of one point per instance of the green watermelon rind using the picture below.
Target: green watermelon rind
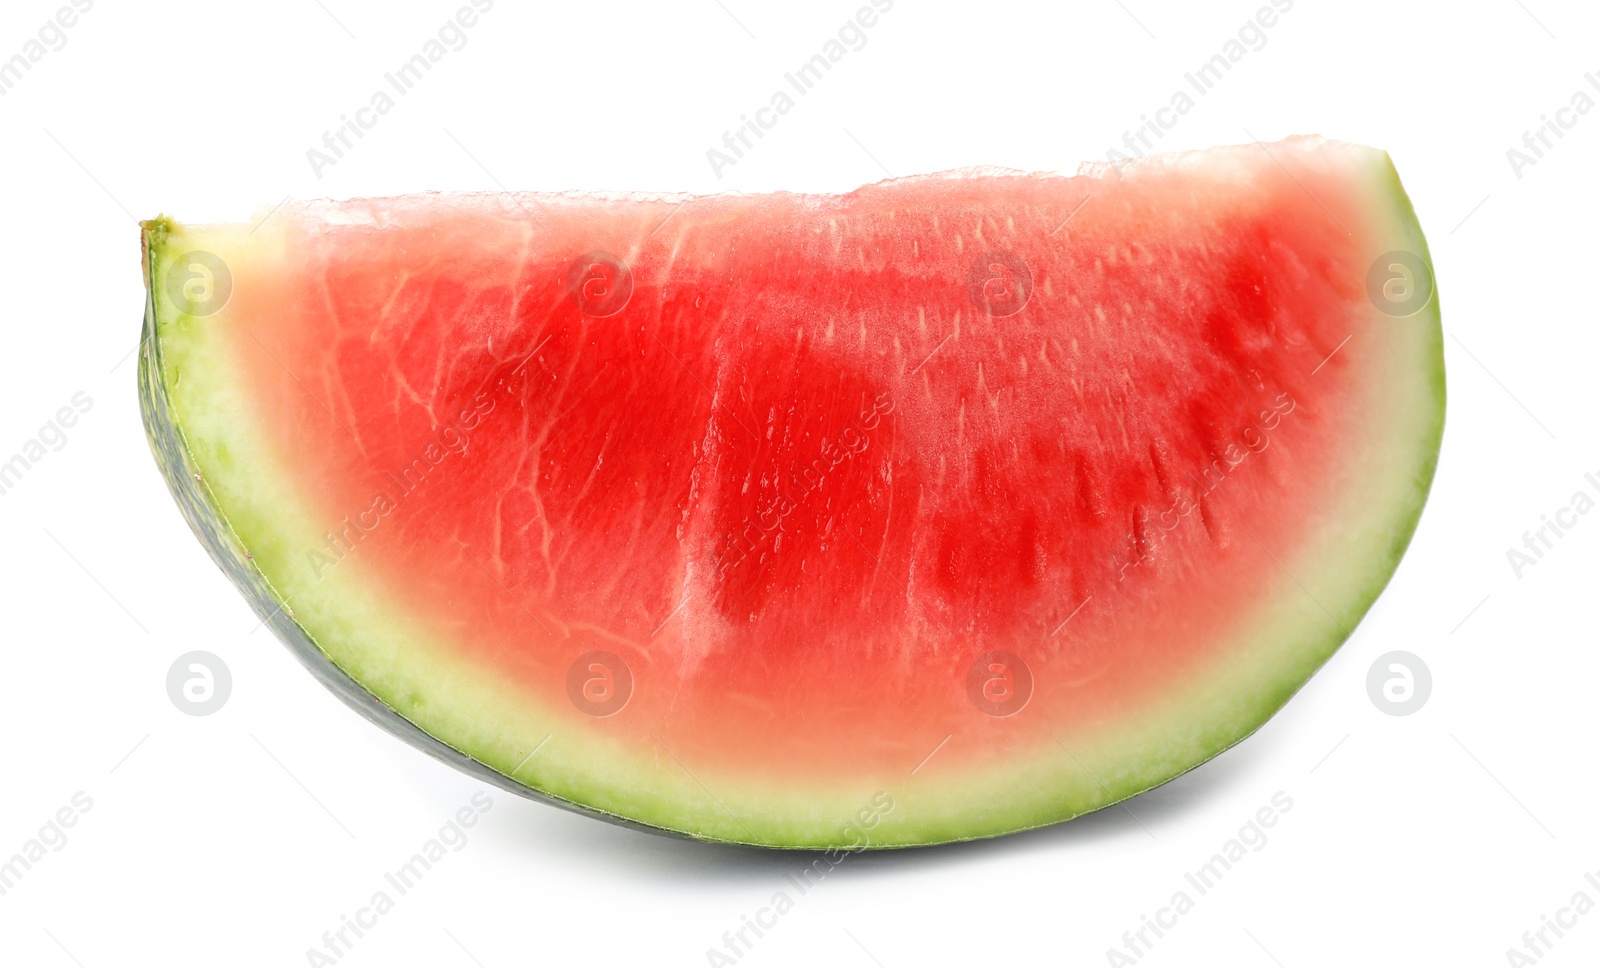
(186, 413)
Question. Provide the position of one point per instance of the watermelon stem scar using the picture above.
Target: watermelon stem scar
(954, 506)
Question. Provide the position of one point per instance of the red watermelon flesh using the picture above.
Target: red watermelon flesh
(995, 497)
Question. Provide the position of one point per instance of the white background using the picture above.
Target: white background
(240, 837)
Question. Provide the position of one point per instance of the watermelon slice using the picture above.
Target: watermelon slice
(953, 506)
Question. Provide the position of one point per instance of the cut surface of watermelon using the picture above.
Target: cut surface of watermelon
(953, 506)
